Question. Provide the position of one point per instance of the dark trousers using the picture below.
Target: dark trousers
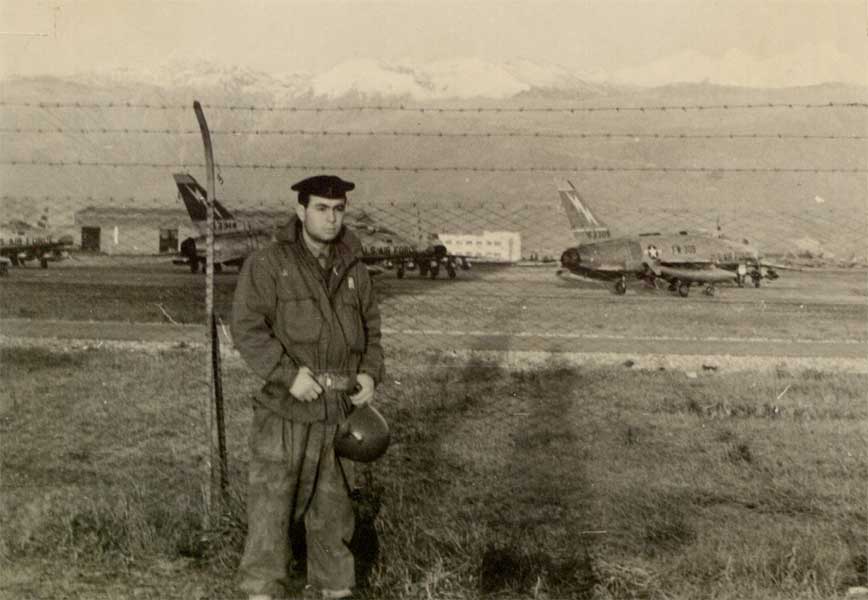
(295, 478)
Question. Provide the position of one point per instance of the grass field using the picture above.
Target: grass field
(549, 483)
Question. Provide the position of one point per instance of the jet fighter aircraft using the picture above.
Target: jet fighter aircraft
(21, 242)
(384, 247)
(234, 239)
(681, 259)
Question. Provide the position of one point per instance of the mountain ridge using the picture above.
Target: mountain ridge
(441, 80)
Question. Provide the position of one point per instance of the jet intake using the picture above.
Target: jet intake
(571, 258)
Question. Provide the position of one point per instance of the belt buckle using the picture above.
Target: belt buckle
(327, 381)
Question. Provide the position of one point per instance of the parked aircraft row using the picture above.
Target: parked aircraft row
(678, 260)
(21, 242)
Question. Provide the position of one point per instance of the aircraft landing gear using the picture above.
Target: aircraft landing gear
(621, 286)
(399, 273)
(43, 262)
(423, 269)
(756, 280)
(434, 271)
(450, 270)
(194, 264)
(710, 290)
(684, 289)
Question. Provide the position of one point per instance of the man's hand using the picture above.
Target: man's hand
(366, 394)
(304, 387)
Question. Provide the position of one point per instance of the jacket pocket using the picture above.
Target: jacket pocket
(302, 319)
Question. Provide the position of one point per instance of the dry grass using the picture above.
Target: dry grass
(547, 483)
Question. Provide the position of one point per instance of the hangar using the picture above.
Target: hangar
(117, 230)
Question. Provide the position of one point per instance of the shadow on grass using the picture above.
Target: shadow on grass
(514, 528)
(540, 513)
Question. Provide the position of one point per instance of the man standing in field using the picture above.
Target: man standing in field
(306, 320)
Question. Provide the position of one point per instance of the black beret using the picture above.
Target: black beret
(324, 186)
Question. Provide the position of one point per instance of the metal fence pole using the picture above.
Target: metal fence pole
(216, 435)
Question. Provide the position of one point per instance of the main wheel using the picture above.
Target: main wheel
(620, 287)
(683, 289)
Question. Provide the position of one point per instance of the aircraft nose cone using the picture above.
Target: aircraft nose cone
(570, 258)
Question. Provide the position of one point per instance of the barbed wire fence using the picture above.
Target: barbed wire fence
(477, 176)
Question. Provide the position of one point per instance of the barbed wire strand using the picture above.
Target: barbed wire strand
(433, 134)
(443, 169)
(436, 109)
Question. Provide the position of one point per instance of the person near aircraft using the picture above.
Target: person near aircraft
(305, 317)
(382, 248)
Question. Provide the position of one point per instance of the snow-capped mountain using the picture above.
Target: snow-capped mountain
(203, 74)
(453, 78)
(444, 79)
(466, 78)
(810, 65)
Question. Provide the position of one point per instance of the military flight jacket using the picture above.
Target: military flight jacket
(286, 315)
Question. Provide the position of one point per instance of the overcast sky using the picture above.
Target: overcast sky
(61, 37)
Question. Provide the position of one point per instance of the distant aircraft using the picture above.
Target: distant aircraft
(680, 259)
(21, 242)
(234, 239)
(384, 247)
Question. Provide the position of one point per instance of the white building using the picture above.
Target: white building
(493, 246)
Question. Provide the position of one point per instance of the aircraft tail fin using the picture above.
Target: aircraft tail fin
(195, 198)
(586, 227)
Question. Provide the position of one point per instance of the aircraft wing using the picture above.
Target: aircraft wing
(698, 275)
(779, 267)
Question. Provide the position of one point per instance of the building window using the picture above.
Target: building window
(168, 240)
